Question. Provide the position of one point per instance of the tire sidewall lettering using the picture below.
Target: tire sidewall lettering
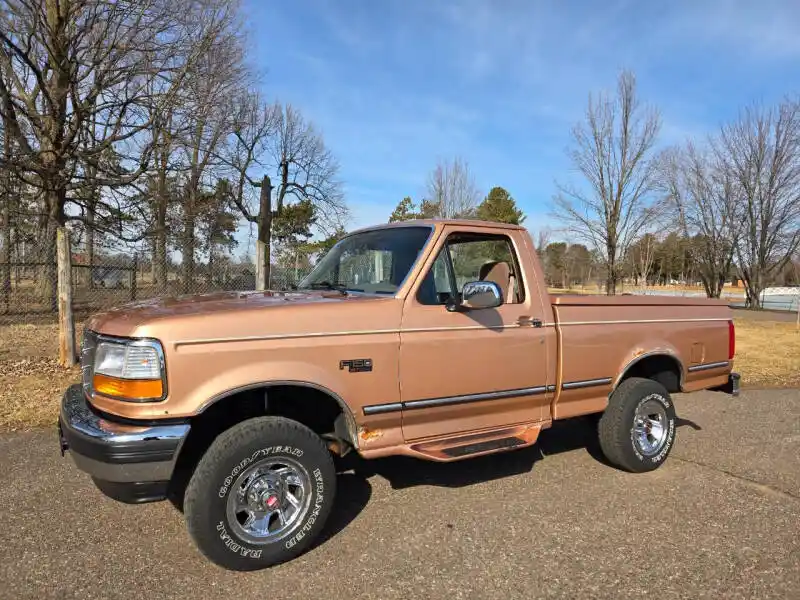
(247, 550)
(315, 509)
(246, 462)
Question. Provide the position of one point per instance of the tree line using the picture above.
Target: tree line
(733, 196)
(713, 210)
(139, 122)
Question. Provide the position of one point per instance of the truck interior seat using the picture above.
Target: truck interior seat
(500, 273)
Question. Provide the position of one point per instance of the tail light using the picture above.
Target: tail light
(731, 340)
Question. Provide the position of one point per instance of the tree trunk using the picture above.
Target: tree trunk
(160, 239)
(611, 279)
(611, 276)
(210, 273)
(264, 235)
(187, 248)
(152, 245)
(49, 281)
(5, 241)
(90, 214)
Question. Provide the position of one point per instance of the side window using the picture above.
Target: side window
(437, 287)
(473, 257)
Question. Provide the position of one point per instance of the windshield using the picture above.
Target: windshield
(375, 261)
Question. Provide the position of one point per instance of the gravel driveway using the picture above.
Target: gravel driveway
(720, 519)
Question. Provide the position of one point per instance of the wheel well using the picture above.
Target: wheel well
(319, 411)
(663, 368)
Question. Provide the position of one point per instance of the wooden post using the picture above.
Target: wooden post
(264, 238)
(66, 324)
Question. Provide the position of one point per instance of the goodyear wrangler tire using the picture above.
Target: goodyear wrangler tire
(637, 429)
(261, 494)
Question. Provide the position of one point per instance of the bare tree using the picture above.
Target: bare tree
(80, 67)
(642, 256)
(703, 196)
(254, 123)
(218, 77)
(302, 167)
(452, 190)
(543, 238)
(760, 152)
(613, 151)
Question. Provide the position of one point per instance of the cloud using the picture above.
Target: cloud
(397, 84)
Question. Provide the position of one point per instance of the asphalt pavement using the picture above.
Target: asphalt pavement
(721, 519)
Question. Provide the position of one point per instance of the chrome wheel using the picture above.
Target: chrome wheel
(268, 499)
(650, 427)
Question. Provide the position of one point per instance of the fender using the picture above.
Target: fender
(346, 410)
(667, 351)
(250, 376)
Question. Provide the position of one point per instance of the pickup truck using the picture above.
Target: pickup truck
(431, 339)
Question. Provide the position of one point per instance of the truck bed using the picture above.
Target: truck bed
(602, 337)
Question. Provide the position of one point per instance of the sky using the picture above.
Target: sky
(396, 85)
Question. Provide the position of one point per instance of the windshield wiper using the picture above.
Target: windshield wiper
(327, 285)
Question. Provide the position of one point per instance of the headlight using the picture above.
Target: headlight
(129, 370)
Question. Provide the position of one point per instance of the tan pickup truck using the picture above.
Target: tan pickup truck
(433, 339)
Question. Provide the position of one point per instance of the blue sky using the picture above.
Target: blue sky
(395, 85)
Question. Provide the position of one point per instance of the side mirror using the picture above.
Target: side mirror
(478, 294)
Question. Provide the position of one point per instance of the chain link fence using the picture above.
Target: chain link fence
(113, 276)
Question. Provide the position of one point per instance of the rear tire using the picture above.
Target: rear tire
(261, 494)
(637, 429)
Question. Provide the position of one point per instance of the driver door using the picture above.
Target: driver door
(480, 369)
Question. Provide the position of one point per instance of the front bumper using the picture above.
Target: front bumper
(130, 463)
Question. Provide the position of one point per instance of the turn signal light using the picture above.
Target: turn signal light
(129, 389)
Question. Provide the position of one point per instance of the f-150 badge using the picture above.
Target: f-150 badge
(356, 365)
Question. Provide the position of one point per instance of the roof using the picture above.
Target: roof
(440, 223)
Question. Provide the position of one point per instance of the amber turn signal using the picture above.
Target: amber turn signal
(133, 389)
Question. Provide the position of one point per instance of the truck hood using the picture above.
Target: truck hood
(129, 319)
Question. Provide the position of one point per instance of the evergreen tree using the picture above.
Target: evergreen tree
(500, 207)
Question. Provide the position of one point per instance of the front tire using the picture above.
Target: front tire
(637, 429)
(261, 494)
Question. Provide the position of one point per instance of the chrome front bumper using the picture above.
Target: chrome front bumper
(131, 463)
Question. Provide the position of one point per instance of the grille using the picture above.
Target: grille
(88, 349)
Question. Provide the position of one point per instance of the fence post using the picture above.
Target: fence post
(133, 275)
(66, 324)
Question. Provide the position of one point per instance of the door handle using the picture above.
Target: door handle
(526, 320)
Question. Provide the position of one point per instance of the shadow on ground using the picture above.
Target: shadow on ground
(354, 489)
(403, 472)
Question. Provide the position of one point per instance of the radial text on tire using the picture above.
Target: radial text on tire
(261, 494)
(637, 429)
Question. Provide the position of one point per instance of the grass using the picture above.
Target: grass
(767, 352)
(31, 382)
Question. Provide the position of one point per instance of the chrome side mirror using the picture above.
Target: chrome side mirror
(480, 294)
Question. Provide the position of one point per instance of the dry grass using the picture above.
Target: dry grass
(767, 353)
(31, 382)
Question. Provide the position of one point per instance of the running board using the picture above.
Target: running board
(480, 447)
(475, 444)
